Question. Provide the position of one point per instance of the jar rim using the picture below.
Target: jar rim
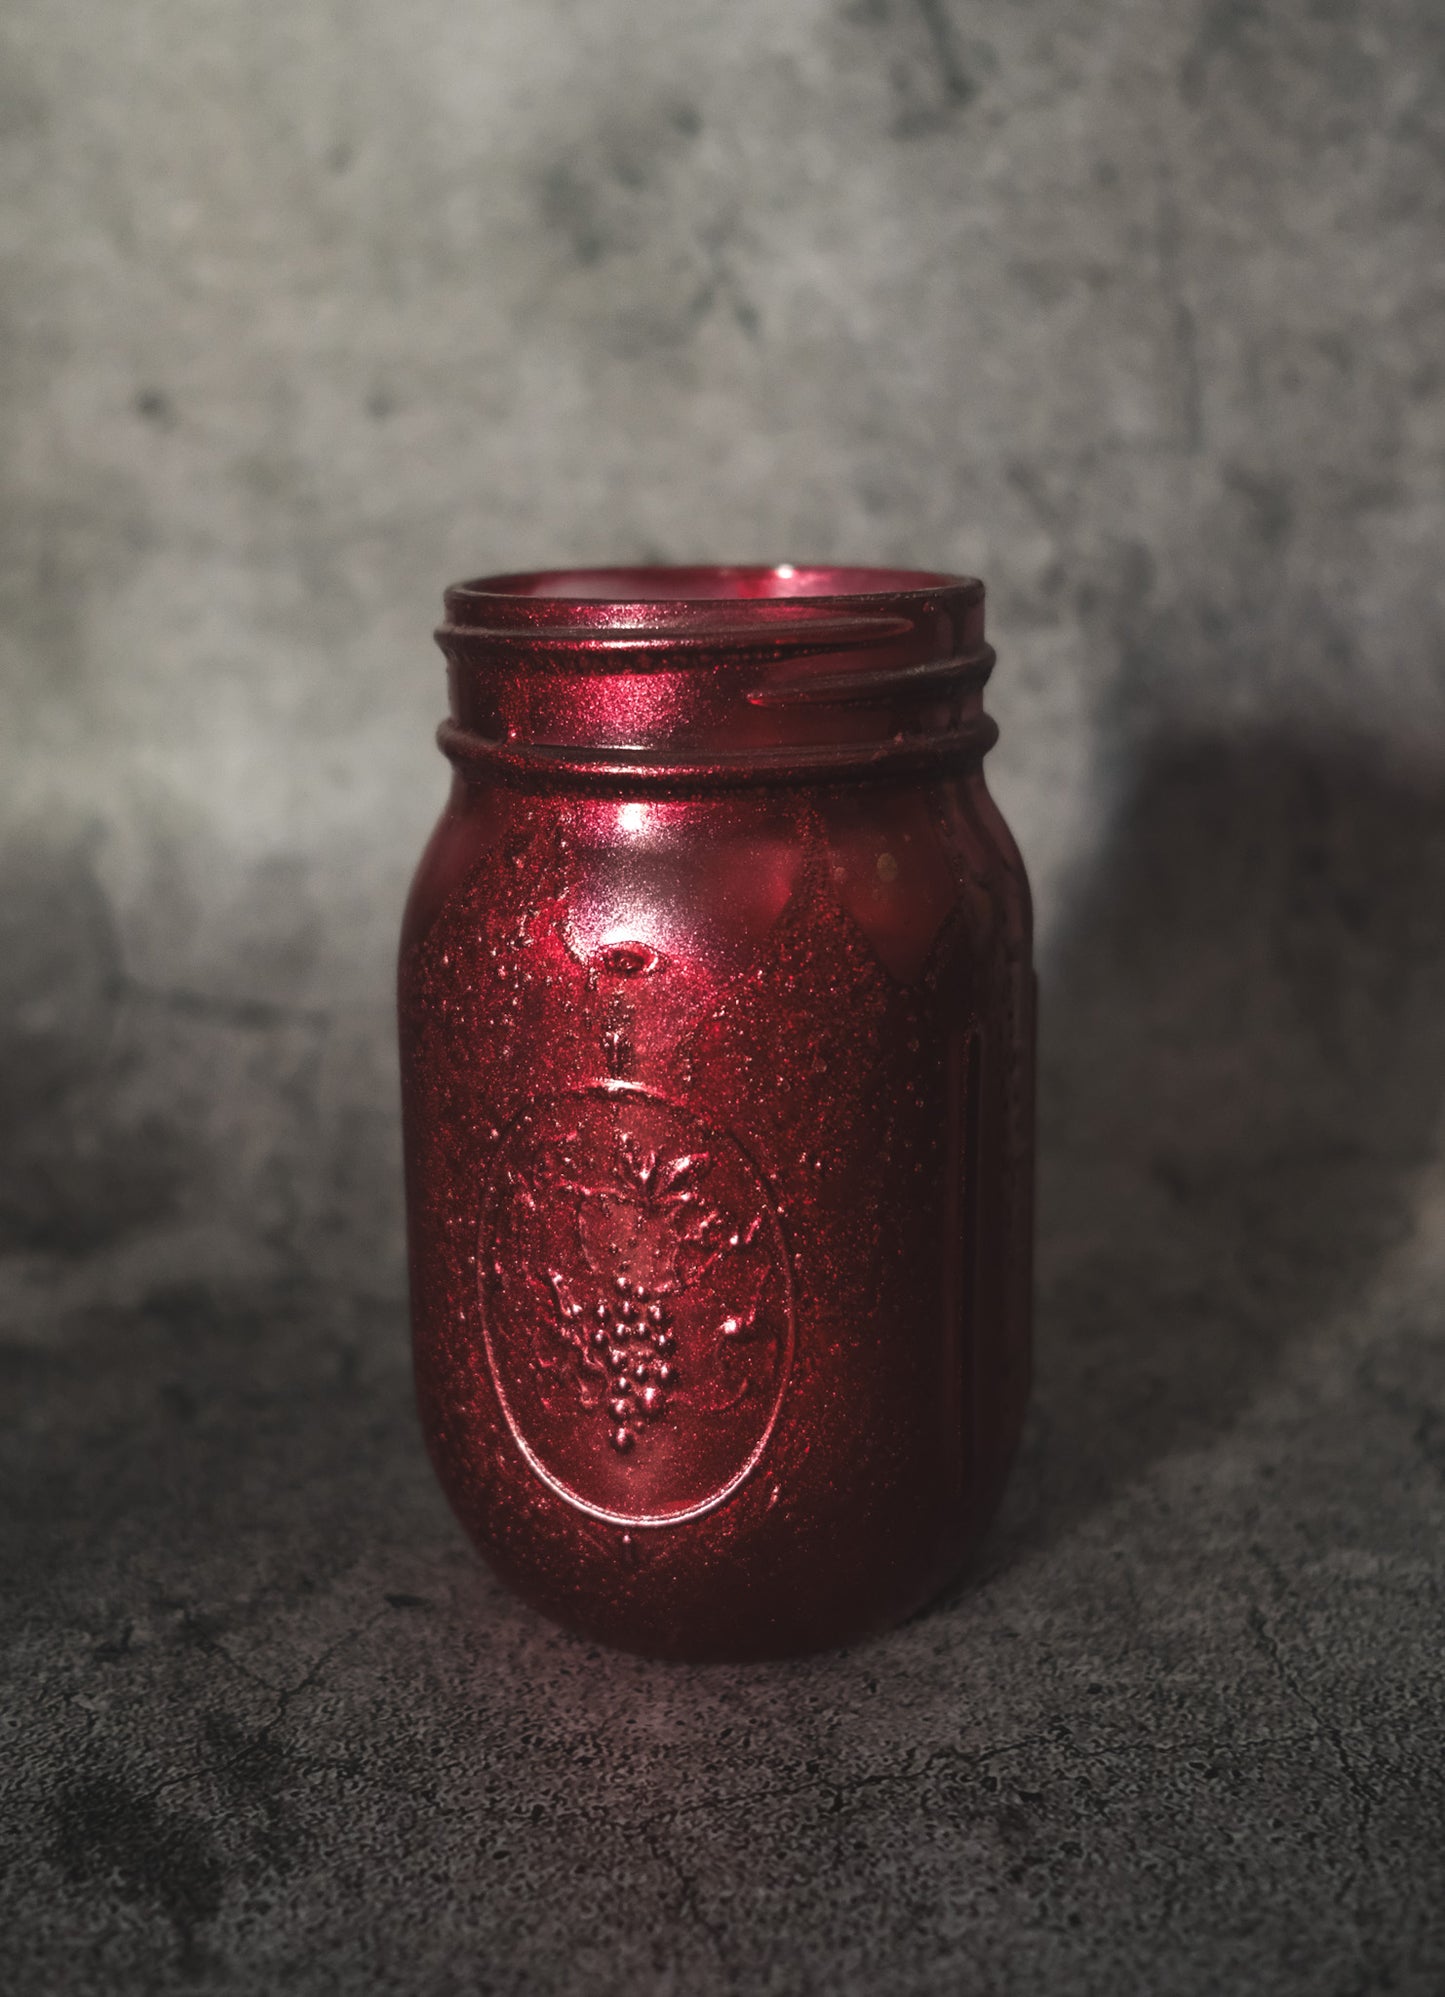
(666, 589)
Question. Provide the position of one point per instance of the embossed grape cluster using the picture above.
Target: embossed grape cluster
(634, 1339)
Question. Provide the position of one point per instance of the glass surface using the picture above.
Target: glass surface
(717, 1052)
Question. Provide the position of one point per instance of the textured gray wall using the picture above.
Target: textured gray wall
(1133, 308)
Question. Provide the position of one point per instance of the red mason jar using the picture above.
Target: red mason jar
(717, 1057)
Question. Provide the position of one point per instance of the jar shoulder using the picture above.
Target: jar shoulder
(711, 878)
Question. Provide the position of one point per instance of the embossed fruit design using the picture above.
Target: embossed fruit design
(646, 1236)
(633, 1331)
(636, 1297)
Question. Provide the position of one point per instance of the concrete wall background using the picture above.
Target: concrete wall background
(311, 308)
(1133, 308)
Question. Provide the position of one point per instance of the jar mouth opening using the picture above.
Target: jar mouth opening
(734, 585)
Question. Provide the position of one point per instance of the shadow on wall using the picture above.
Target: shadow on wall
(75, 1175)
(129, 1111)
(1243, 1066)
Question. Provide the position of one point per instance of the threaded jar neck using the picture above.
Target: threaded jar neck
(700, 676)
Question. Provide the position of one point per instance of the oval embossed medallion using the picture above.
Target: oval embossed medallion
(637, 1304)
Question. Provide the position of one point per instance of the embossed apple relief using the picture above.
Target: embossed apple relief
(637, 1304)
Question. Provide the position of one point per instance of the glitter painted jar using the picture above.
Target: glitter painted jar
(717, 1055)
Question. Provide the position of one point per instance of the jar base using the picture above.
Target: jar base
(765, 1633)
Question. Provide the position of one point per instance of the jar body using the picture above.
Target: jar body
(718, 1120)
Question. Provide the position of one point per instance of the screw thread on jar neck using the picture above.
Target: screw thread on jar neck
(705, 676)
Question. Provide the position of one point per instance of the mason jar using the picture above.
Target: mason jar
(716, 1019)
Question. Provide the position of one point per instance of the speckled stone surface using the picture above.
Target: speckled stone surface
(1132, 309)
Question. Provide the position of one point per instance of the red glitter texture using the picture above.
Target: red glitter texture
(717, 1058)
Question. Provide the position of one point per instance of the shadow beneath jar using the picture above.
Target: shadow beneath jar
(1243, 1059)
